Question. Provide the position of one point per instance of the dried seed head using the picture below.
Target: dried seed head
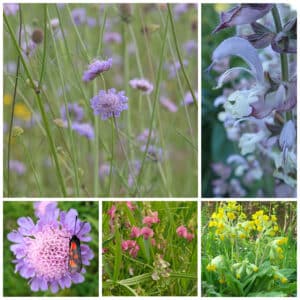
(37, 36)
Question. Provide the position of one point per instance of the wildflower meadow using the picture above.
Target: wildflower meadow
(149, 248)
(100, 100)
(249, 249)
(249, 88)
(37, 249)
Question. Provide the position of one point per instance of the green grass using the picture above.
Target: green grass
(14, 285)
(60, 162)
(125, 275)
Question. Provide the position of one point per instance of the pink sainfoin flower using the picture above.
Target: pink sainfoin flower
(131, 246)
(42, 250)
(112, 211)
(130, 205)
(147, 232)
(183, 232)
(152, 219)
(135, 232)
(189, 236)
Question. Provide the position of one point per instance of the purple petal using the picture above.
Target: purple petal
(77, 278)
(242, 48)
(65, 282)
(54, 287)
(26, 225)
(27, 272)
(242, 14)
(34, 285)
(43, 284)
(84, 229)
(15, 237)
(69, 219)
(18, 250)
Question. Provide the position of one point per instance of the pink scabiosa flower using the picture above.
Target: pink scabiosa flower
(109, 104)
(17, 167)
(42, 249)
(152, 219)
(147, 232)
(95, 68)
(141, 84)
(135, 232)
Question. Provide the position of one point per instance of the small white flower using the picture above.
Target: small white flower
(248, 141)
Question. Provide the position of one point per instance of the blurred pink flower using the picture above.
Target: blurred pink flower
(130, 205)
(147, 232)
(135, 232)
(182, 231)
(112, 211)
(132, 246)
(153, 218)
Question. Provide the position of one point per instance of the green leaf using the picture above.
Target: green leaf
(118, 255)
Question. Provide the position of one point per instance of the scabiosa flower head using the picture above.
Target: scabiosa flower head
(95, 68)
(42, 249)
(109, 104)
(17, 166)
(104, 170)
(42, 207)
(188, 98)
(10, 8)
(147, 232)
(168, 104)
(76, 112)
(84, 129)
(141, 84)
(153, 153)
(143, 137)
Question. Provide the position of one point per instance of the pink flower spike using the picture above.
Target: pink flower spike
(153, 218)
(135, 232)
(125, 245)
(147, 232)
(112, 212)
(182, 231)
(130, 205)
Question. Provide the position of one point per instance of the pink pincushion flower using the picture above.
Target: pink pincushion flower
(135, 232)
(182, 231)
(147, 232)
(152, 219)
(42, 249)
(112, 211)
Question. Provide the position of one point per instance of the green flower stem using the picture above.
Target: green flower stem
(41, 108)
(283, 56)
(111, 157)
(179, 55)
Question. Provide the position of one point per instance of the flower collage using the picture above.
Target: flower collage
(181, 199)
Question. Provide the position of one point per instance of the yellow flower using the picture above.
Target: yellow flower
(279, 250)
(243, 216)
(273, 218)
(283, 280)
(282, 241)
(222, 237)
(220, 225)
(259, 228)
(214, 216)
(242, 235)
(211, 268)
(7, 99)
(212, 224)
(255, 268)
(276, 228)
(272, 233)
(266, 218)
(22, 112)
(231, 216)
(238, 276)
(222, 280)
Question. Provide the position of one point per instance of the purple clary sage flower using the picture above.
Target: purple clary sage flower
(141, 84)
(287, 138)
(84, 129)
(76, 112)
(242, 14)
(95, 68)
(42, 249)
(109, 103)
(17, 167)
(10, 8)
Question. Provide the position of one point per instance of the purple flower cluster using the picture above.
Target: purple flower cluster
(42, 249)
(95, 68)
(109, 103)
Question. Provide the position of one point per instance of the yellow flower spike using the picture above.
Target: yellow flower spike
(273, 218)
(283, 280)
(276, 228)
(7, 99)
(238, 276)
(211, 268)
(212, 224)
(282, 241)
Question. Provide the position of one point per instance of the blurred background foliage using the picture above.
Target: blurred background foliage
(15, 285)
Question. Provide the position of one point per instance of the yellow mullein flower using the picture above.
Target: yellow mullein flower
(282, 241)
(231, 216)
(273, 218)
(7, 99)
(242, 235)
(211, 268)
(22, 112)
